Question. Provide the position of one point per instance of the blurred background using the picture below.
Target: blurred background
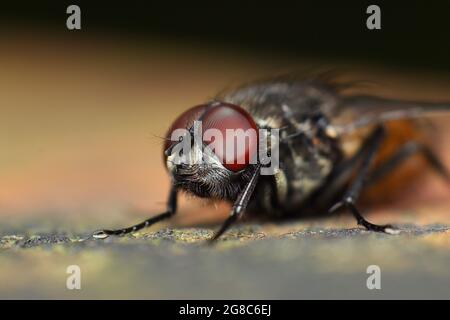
(82, 111)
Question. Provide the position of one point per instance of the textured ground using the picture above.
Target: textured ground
(300, 260)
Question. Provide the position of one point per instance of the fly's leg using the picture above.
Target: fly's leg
(240, 204)
(342, 174)
(371, 146)
(171, 209)
(405, 152)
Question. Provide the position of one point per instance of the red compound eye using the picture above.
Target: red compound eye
(239, 135)
(184, 121)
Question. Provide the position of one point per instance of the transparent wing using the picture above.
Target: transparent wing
(354, 112)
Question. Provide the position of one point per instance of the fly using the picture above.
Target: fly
(327, 145)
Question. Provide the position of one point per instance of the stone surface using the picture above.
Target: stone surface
(289, 261)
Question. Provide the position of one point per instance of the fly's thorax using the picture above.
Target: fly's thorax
(308, 152)
(302, 173)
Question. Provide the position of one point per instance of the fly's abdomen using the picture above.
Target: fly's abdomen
(404, 177)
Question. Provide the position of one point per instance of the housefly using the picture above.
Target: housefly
(327, 146)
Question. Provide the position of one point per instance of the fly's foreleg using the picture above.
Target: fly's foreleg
(171, 209)
(351, 196)
(240, 204)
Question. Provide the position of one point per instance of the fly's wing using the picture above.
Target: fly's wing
(354, 112)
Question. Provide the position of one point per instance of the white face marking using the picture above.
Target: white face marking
(195, 156)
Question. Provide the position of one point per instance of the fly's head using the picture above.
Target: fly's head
(211, 150)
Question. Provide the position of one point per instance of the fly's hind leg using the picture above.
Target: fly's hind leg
(406, 151)
(351, 196)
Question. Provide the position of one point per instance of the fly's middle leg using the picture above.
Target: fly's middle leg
(371, 147)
